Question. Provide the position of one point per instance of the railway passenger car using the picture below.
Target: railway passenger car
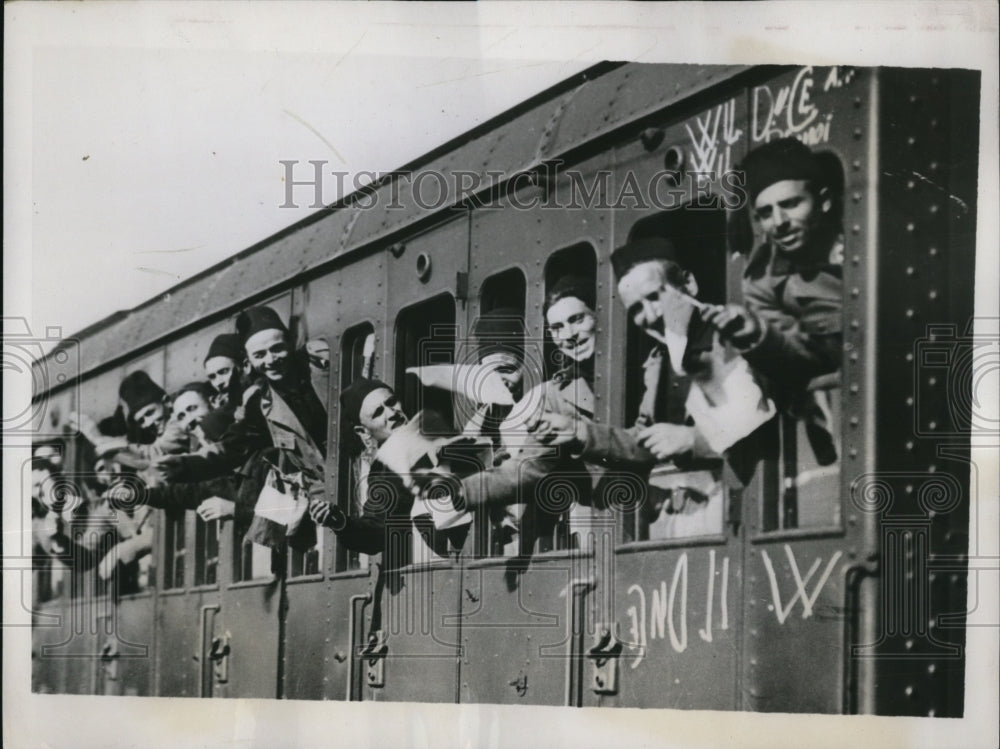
(837, 589)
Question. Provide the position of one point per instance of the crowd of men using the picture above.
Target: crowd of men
(256, 426)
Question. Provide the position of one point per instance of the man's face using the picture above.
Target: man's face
(789, 214)
(381, 414)
(572, 325)
(640, 291)
(508, 366)
(268, 354)
(189, 407)
(151, 417)
(219, 371)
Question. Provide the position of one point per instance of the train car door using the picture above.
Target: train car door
(810, 528)
(679, 561)
(126, 631)
(328, 588)
(531, 597)
(412, 649)
(242, 641)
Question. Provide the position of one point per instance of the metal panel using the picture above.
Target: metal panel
(179, 657)
(925, 408)
(48, 669)
(421, 625)
(516, 630)
(801, 590)
(678, 613)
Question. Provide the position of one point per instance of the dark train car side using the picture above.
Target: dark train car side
(810, 586)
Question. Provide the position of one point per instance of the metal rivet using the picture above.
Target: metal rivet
(934, 166)
(910, 184)
(856, 197)
(857, 132)
(911, 141)
(909, 270)
(931, 668)
(857, 102)
(932, 295)
(909, 489)
(932, 251)
(931, 468)
(856, 259)
(933, 209)
(854, 357)
(932, 380)
(855, 291)
(854, 389)
(910, 226)
(909, 690)
(856, 164)
(856, 229)
(853, 453)
(909, 401)
(855, 324)
(909, 445)
(854, 421)
(909, 313)
(932, 425)
(909, 356)
(909, 646)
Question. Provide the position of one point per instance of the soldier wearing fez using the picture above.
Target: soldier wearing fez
(790, 329)
(223, 370)
(281, 407)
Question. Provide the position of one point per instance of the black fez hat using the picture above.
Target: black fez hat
(574, 286)
(785, 158)
(256, 319)
(641, 251)
(205, 390)
(138, 390)
(214, 425)
(353, 396)
(227, 345)
(500, 331)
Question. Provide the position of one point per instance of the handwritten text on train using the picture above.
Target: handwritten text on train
(780, 112)
(667, 605)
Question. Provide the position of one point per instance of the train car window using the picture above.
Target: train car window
(206, 551)
(685, 497)
(801, 475)
(425, 336)
(357, 359)
(506, 290)
(174, 546)
(569, 352)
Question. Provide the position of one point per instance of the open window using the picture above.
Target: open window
(506, 290)
(685, 497)
(801, 471)
(357, 360)
(425, 336)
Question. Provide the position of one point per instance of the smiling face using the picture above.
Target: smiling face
(572, 325)
(790, 214)
(639, 290)
(188, 409)
(381, 414)
(268, 354)
(219, 372)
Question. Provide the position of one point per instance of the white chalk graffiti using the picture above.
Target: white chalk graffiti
(711, 147)
(668, 609)
(801, 593)
(790, 111)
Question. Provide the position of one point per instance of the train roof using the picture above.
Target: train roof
(553, 124)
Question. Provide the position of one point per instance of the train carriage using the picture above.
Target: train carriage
(800, 588)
